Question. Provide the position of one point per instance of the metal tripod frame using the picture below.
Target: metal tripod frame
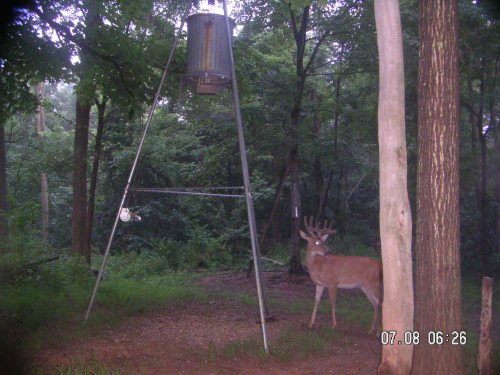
(263, 308)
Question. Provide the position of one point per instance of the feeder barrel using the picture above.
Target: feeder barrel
(208, 65)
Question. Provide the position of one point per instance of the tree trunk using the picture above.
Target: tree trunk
(79, 213)
(497, 185)
(85, 94)
(295, 261)
(485, 348)
(3, 182)
(101, 107)
(395, 212)
(482, 230)
(277, 196)
(438, 293)
(323, 196)
(44, 190)
(496, 158)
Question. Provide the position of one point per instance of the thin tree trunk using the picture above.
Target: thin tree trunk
(295, 261)
(79, 213)
(496, 158)
(3, 182)
(437, 291)
(395, 212)
(300, 34)
(483, 167)
(485, 348)
(337, 198)
(323, 196)
(44, 190)
(277, 197)
(101, 108)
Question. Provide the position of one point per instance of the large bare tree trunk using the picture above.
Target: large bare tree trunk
(438, 292)
(85, 94)
(44, 190)
(395, 212)
(79, 213)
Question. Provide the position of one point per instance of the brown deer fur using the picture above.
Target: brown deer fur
(334, 271)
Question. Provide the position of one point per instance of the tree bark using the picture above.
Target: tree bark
(3, 182)
(295, 261)
(323, 196)
(300, 35)
(496, 158)
(395, 212)
(101, 108)
(79, 213)
(85, 94)
(497, 185)
(44, 189)
(485, 348)
(277, 197)
(482, 229)
(438, 293)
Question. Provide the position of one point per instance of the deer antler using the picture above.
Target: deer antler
(315, 229)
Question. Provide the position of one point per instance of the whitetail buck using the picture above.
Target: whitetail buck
(334, 271)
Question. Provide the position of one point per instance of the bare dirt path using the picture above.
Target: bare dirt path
(210, 338)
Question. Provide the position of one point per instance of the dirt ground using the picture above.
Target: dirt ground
(183, 339)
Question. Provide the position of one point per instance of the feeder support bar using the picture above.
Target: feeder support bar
(246, 181)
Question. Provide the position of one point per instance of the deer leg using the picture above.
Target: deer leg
(333, 298)
(374, 298)
(317, 299)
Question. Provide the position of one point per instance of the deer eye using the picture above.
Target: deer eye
(318, 242)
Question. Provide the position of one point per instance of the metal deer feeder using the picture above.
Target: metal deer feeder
(208, 62)
(210, 67)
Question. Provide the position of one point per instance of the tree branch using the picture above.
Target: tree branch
(68, 35)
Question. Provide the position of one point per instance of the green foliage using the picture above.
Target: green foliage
(302, 345)
(92, 366)
(193, 142)
(35, 295)
(133, 296)
(292, 344)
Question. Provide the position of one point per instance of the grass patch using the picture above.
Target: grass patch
(54, 292)
(91, 366)
(292, 344)
(350, 307)
(46, 304)
(138, 296)
(302, 343)
(248, 347)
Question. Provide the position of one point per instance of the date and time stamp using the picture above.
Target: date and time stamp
(431, 338)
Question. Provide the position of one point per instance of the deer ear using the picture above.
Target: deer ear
(303, 235)
(324, 237)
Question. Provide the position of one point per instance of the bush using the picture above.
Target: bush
(33, 295)
(202, 250)
(134, 265)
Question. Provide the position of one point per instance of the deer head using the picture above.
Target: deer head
(316, 236)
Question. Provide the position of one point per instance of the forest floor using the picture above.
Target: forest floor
(217, 331)
(221, 335)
